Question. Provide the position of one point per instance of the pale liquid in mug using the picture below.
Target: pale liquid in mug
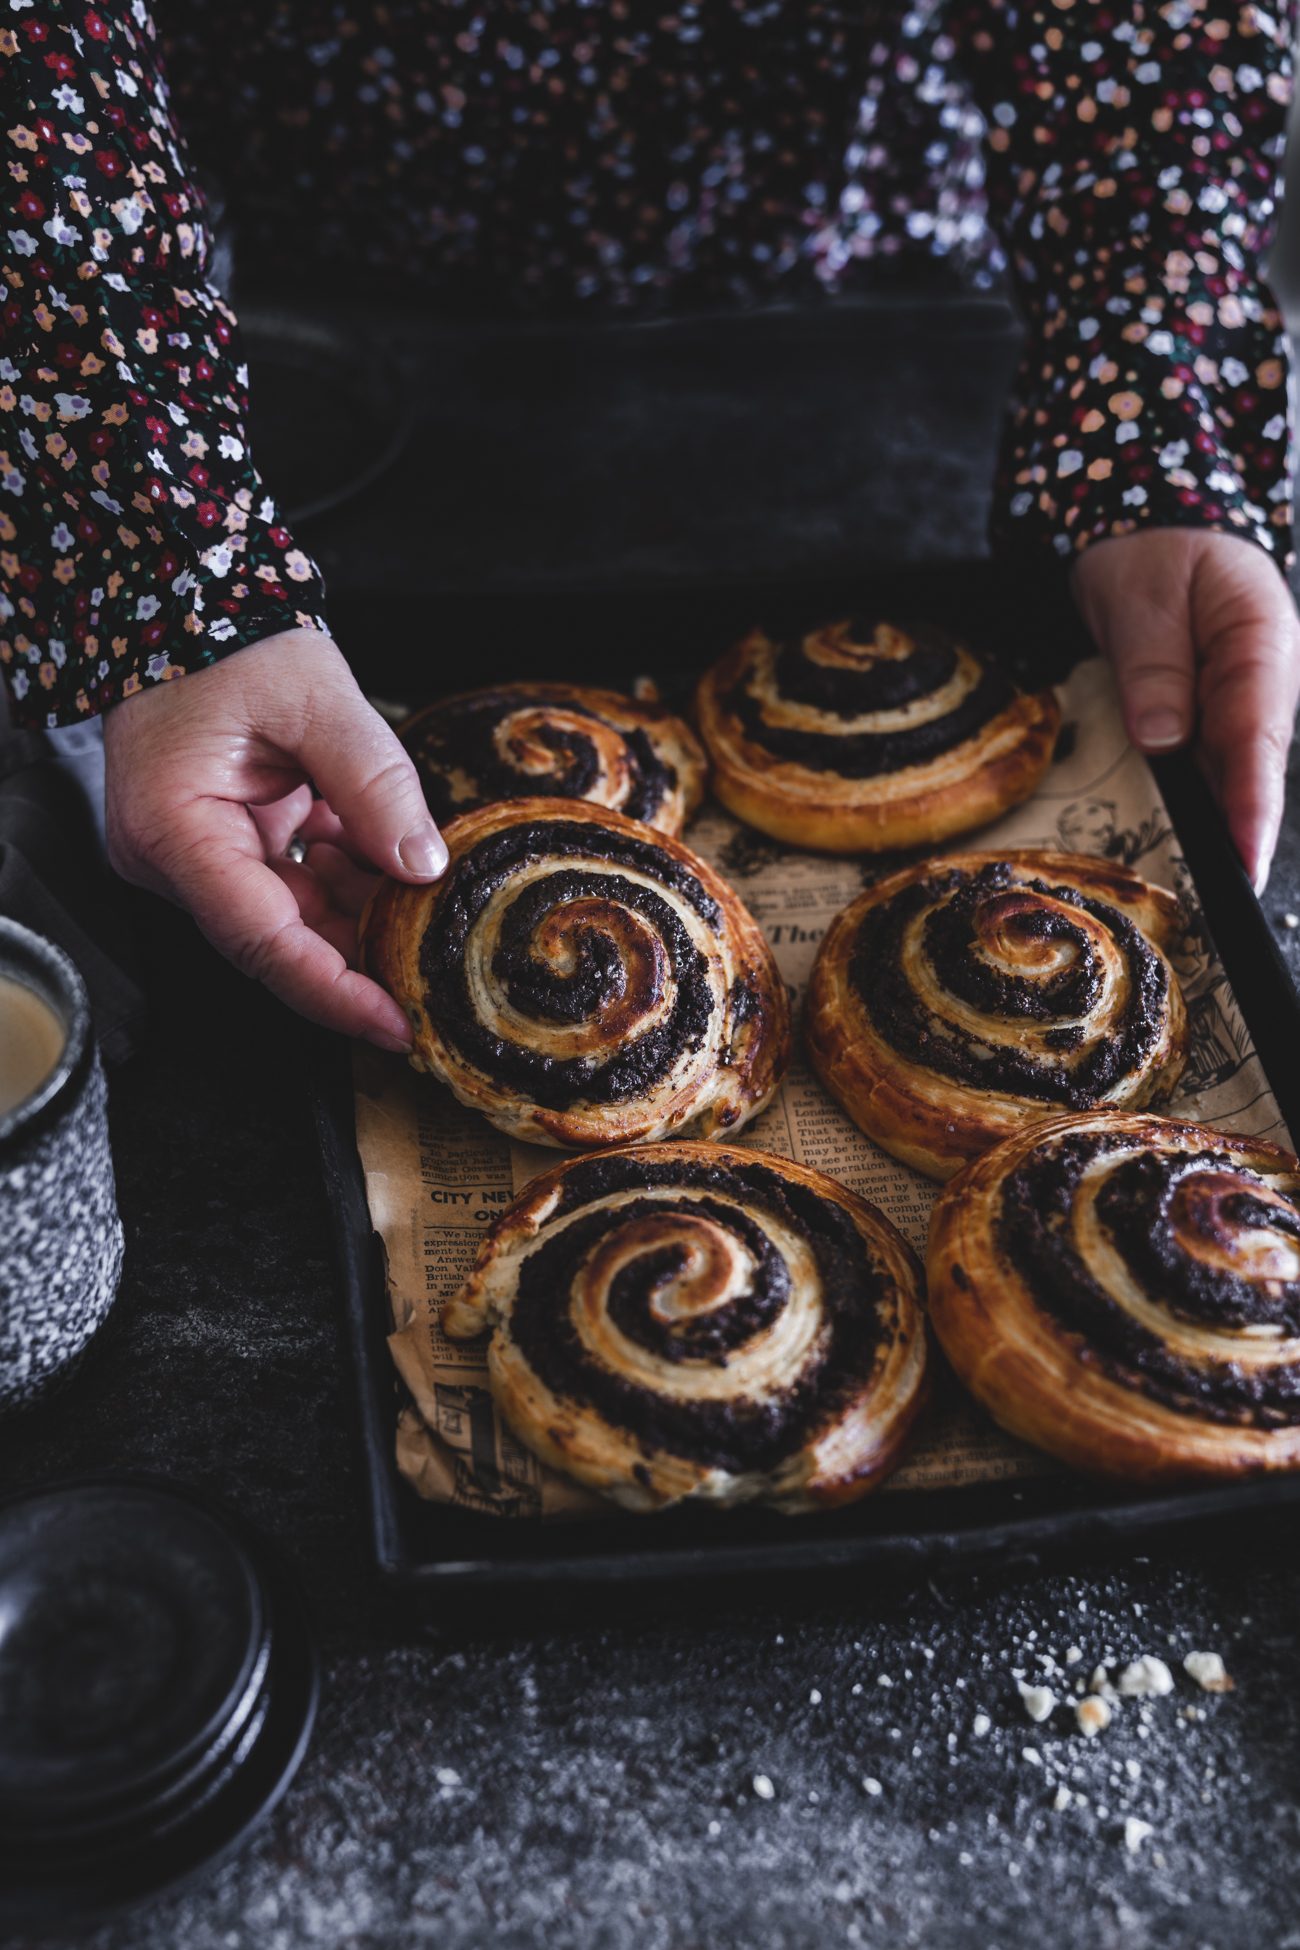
(31, 1042)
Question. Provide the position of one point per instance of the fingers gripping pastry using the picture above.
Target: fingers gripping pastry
(555, 740)
(955, 1002)
(681, 1321)
(1124, 1291)
(581, 979)
(862, 737)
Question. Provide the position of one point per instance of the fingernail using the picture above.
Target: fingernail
(1262, 871)
(1159, 731)
(382, 1040)
(422, 852)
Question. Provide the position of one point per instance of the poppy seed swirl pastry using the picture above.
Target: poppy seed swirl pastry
(581, 979)
(688, 1320)
(556, 741)
(861, 737)
(954, 1002)
(1124, 1292)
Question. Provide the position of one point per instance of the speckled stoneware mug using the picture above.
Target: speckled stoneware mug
(60, 1235)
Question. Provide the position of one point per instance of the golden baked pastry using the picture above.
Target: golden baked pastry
(678, 1321)
(581, 979)
(954, 1002)
(558, 741)
(863, 737)
(1124, 1292)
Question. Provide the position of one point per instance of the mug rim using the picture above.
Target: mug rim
(59, 983)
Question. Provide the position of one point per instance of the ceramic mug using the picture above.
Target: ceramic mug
(60, 1234)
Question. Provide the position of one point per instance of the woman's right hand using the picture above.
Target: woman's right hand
(209, 777)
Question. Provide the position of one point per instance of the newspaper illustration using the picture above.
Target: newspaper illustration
(437, 1174)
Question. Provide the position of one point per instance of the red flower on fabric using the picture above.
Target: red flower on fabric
(30, 205)
(96, 27)
(208, 514)
(199, 474)
(108, 162)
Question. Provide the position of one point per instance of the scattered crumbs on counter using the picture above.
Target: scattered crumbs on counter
(980, 1725)
(1038, 1700)
(715, 1828)
(856, 1688)
(1074, 1655)
(1146, 1678)
(1207, 1669)
(1032, 1755)
(871, 1785)
(1100, 1684)
(814, 1697)
(883, 1679)
(447, 1777)
(763, 1788)
(1133, 1768)
(1093, 1714)
(1061, 1799)
(1291, 920)
(1135, 1833)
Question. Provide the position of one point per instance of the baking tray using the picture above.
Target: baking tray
(430, 1549)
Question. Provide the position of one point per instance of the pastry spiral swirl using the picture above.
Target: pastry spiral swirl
(859, 737)
(558, 741)
(582, 979)
(1124, 1292)
(954, 1002)
(688, 1320)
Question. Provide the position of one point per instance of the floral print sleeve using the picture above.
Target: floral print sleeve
(1133, 164)
(136, 539)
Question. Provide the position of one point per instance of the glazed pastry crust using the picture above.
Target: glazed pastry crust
(973, 782)
(925, 1116)
(848, 1449)
(525, 728)
(717, 1084)
(1040, 1379)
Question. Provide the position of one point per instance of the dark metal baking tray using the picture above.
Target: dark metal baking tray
(431, 1549)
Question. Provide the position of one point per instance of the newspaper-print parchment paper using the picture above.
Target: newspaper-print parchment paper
(437, 1175)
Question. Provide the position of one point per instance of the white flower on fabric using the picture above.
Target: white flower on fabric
(217, 559)
(229, 448)
(147, 607)
(22, 243)
(61, 231)
(72, 406)
(1248, 79)
(12, 481)
(1161, 343)
(8, 370)
(184, 582)
(1174, 454)
(1128, 430)
(127, 82)
(1021, 503)
(1275, 428)
(68, 98)
(130, 214)
(221, 629)
(105, 500)
(19, 683)
(1234, 372)
(58, 653)
(1088, 328)
(1135, 497)
(157, 666)
(27, 442)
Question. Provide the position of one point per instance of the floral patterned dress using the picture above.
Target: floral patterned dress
(1119, 157)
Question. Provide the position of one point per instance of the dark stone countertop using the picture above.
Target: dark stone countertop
(602, 1781)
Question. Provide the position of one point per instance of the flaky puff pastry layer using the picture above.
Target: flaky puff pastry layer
(582, 979)
(1123, 1291)
(878, 963)
(807, 802)
(514, 741)
(692, 1322)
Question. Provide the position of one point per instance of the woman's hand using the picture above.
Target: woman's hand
(1202, 632)
(207, 784)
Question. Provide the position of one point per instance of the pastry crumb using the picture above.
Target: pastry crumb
(1208, 1670)
(1093, 1714)
(1146, 1678)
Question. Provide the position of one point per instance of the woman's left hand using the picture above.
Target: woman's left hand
(1202, 633)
